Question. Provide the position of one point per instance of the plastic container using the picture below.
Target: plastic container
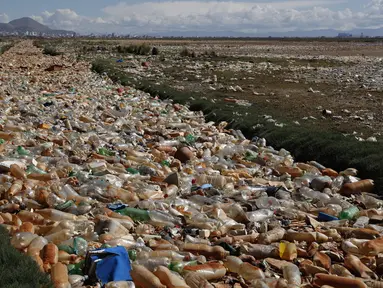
(349, 213)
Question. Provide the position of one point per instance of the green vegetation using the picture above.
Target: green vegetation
(18, 270)
(49, 47)
(52, 51)
(5, 48)
(305, 142)
(185, 52)
(142, 49)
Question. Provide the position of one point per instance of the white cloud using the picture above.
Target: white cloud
(4, 18)
(194, 15)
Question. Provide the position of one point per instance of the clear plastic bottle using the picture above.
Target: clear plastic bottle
(292, 274)
(209, 271)
(267, 203)
(153, 263)
(120, 284)
(361, 222)
(259, 215)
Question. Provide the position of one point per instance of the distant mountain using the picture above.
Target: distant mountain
(27, 24)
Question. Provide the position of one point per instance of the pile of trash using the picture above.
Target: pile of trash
(106, 186)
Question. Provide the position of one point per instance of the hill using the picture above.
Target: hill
(26, 24)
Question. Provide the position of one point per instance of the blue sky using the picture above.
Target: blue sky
(156, 15)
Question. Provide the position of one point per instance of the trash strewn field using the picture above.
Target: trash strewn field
(105, 185)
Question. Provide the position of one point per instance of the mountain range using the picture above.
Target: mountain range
(26, 24)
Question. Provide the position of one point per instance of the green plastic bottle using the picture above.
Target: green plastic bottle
(66, 248)
(132, 170)
(65, 205)
(349, 213)
(33, 169)
(132, 255)
(190, 139)
(22, 151)
(165, 163)
(80, 246)
(105, 152)
(135, 214)
(76, 269)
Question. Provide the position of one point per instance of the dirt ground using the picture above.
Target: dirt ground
(293, 81)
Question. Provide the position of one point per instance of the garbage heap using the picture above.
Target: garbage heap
(104, 185)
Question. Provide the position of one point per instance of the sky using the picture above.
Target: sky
(158, 16)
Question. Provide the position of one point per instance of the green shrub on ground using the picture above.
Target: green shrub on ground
(142, 49)
(18, 270)
(52, 51)
(5, 48)
(185, 52)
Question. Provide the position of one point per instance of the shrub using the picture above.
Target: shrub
(5, 48)
(185, 52)
(18, 270)
(155, 51)
(142, 49)
(49, 50)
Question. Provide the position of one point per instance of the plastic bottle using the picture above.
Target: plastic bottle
(292, 274)
(36, 245)
(361, 186)
(16, 187)
(194, 280)
(287, 251)
(349, 213)
(55, 215)
(17, 172)
(216, 252)
(337, 282)
(22, 240)
(120, 284)
(152, 263)
(135, 214)
(233, 264)
(32, 217)
(274, 235)
(306, 236)
(142, 277)
(178, 266)
(259, 215)
(60, 236)
(49, 256)
(59, 276)
(361, 222)
(250, 272)
(172, 255)
(170, 279)
(209, 271)
(260, 251)
(321, 182)
(190, 239)
(267, 203)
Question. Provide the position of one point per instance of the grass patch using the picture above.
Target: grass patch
(52, 51)
(141, 49)
(185, 52)
(5, 48)
(305, 143)
(18, 270)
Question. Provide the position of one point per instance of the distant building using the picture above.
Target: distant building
(344, 35)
